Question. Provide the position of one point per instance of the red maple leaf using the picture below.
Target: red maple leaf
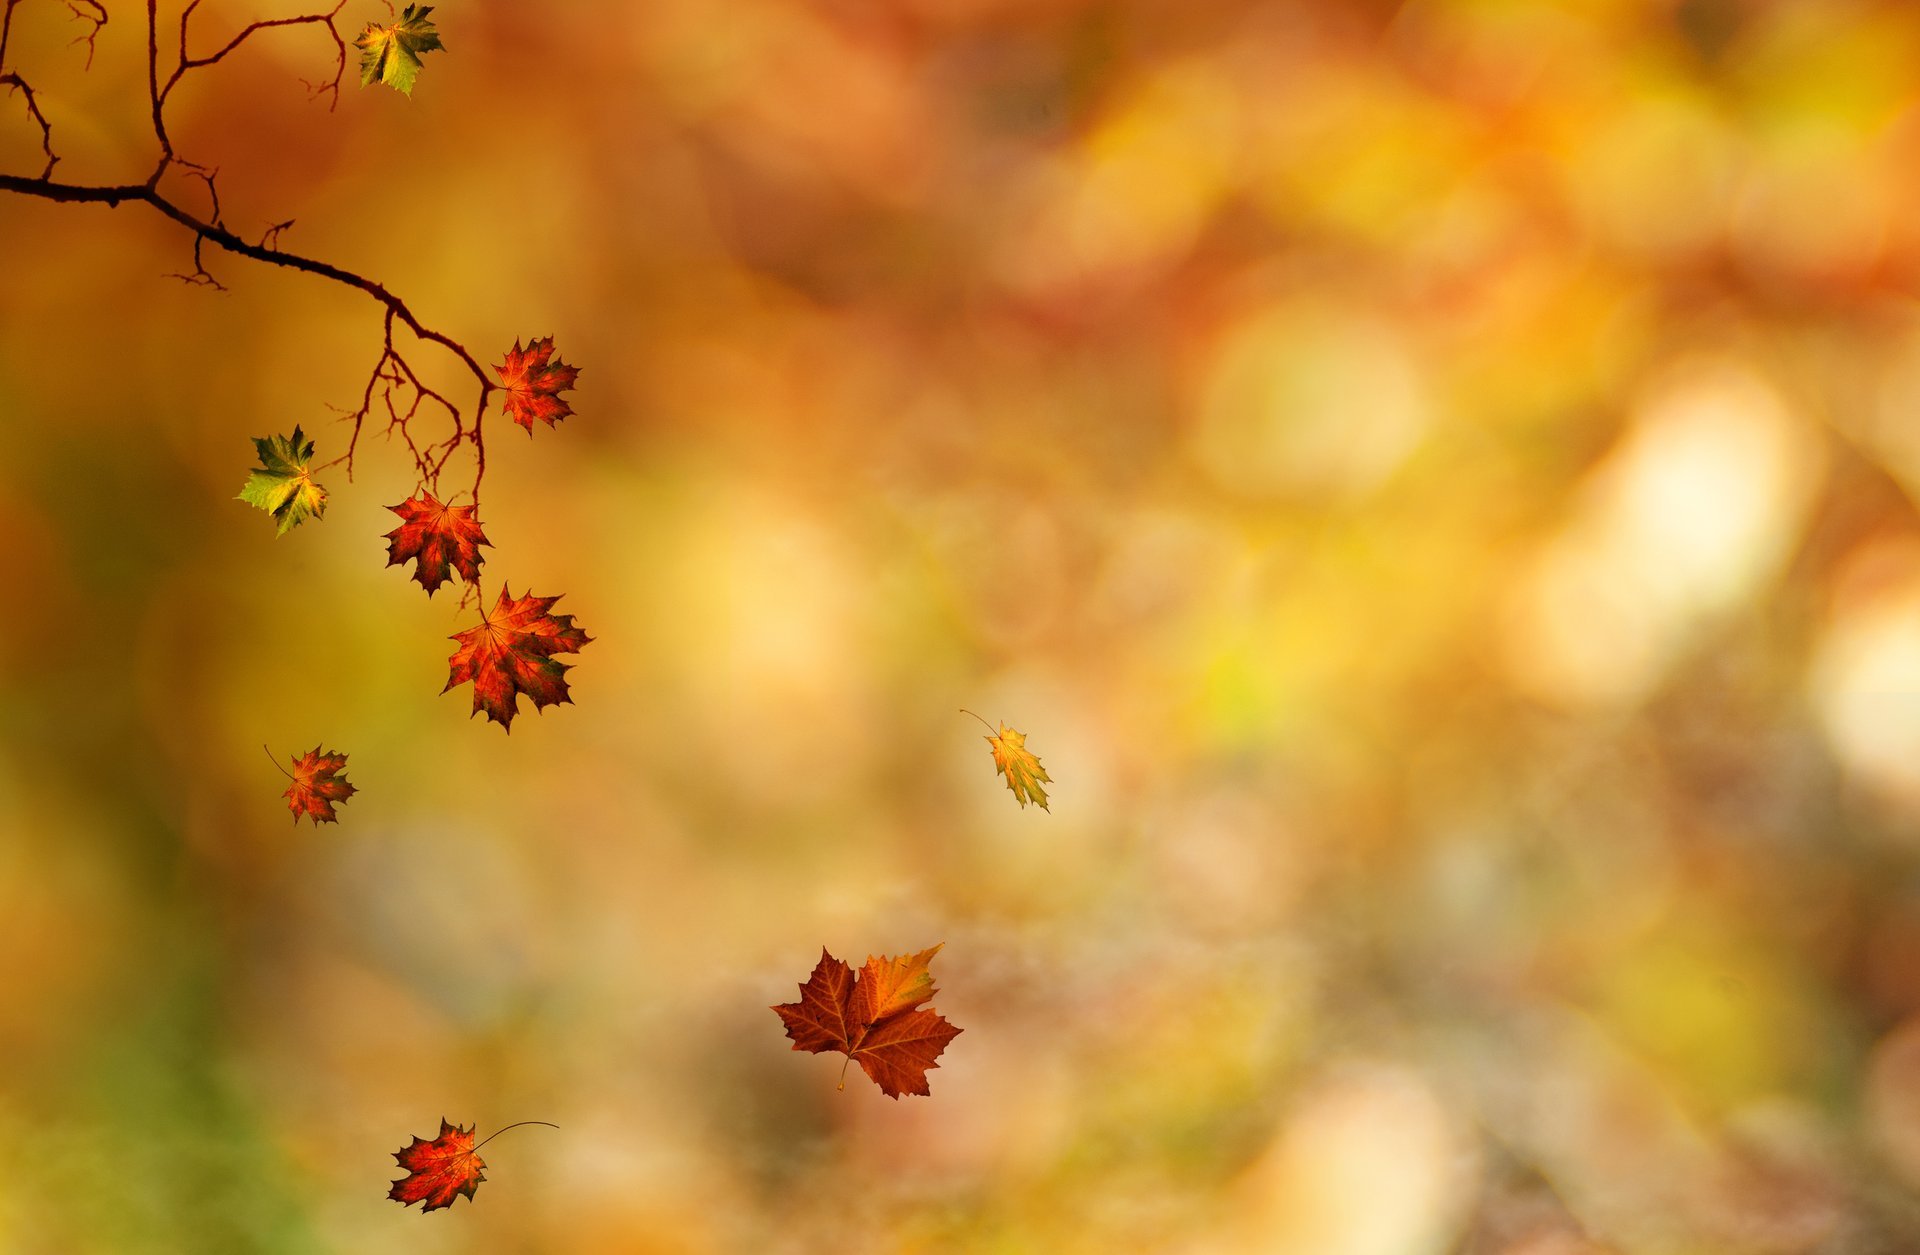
(874, 1019)
(435, 537)
(533, 379)
(316, 786)
(439, 1170)
(511, 653)
(448, 1166)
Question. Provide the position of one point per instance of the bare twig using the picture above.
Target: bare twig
(394, 388)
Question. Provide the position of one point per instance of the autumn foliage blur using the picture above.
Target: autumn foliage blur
(1434, 480)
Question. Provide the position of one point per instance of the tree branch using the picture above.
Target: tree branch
(392, 371)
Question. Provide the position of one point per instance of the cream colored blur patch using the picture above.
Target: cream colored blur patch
(1865, 675)
(771, 629)
(1693, 510)
(1369, 1163)
(1298, 402)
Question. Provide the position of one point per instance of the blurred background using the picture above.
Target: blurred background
(1433, 481)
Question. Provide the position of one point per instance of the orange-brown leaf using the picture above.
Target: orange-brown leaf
(438, 1171)
(317, 785)
(436, 538)
(873, 1018)
(533, 379)
(511, 653)
(1012, 759)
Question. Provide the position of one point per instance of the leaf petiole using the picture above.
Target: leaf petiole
(983, 722)
(498, 1132)
(276, 763)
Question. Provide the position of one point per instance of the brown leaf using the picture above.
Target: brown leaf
(873, 1018)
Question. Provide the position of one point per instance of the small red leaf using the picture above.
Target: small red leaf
(436, 537)
(317, 786)
(439, 1170)
(533, 379)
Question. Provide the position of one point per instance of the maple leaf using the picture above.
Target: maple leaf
(435, 537)
(875, 1018)
(533, 380)
(448, 1166)
(439, 1170)
(392, 54)
(283, 484)
(511, 653)
(1017, 763)
(316, 786)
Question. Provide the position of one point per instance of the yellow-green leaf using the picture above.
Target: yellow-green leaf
(392, 54)
(283, 483)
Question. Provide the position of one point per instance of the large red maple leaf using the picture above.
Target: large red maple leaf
(317, 786)
(436, 537)
(874, 1019)
(532, 379)
(511, 653)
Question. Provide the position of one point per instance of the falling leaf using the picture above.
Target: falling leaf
(533, 380)
(511, 653)
(438, 1170)
(316, 786)
(874, 1019)
(435, 537)
(1016, 762)
(392, 54)
(447, 1166)
(283, 484)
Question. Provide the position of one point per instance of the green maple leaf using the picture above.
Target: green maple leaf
(392, 54)
(283, 485)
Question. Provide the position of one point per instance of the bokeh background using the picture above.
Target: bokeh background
(1433, 480)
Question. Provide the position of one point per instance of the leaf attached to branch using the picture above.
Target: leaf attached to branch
(874, 1018)
(391, 54)
(533, 378)
(283, 484)
(436, 537)
(511, 653)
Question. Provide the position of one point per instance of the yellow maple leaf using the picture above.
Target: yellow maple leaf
(1012, 759)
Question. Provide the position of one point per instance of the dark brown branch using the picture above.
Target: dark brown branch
(87, 11)
(94, 13)
(206, 176)
(188, 62)
(19, 84)
(393, 385)
(201, 276)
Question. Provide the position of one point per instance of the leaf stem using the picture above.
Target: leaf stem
(843, 1073)
(276, 762)
(989, 727)
(498, 1132)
